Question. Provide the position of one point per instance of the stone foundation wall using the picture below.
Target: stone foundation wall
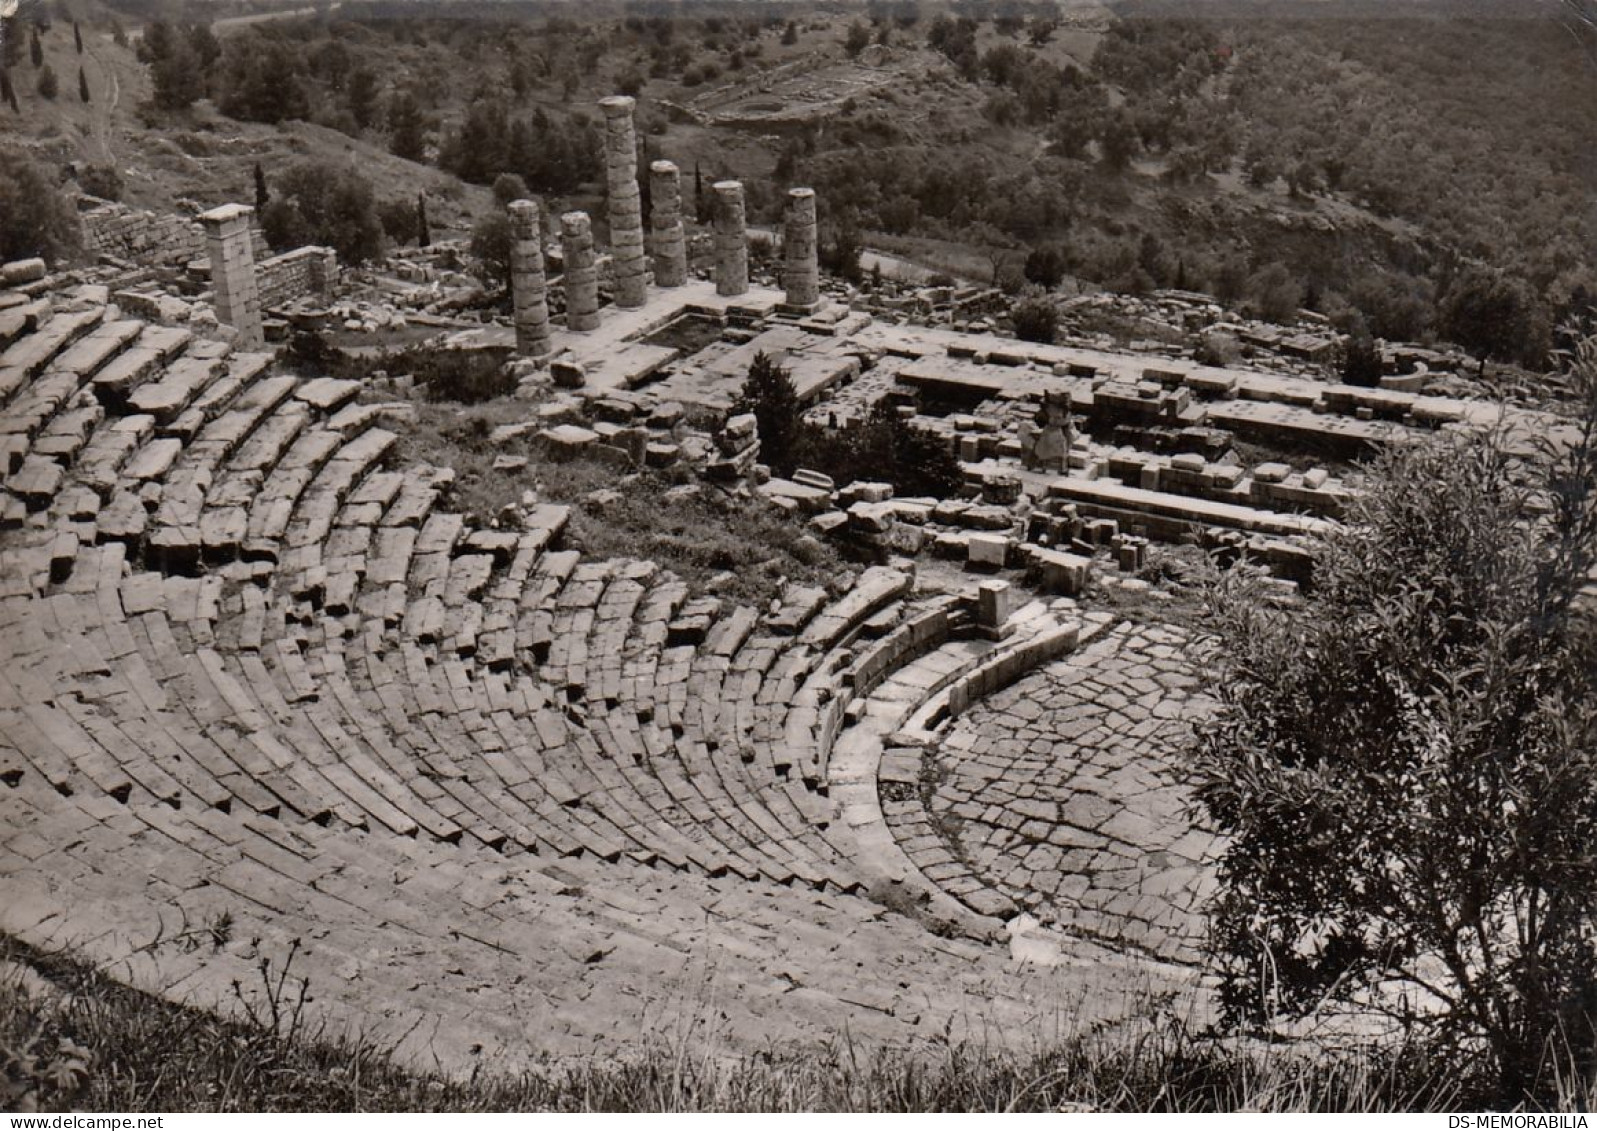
(295, 274)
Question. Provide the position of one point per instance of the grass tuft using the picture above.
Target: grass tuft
(70, 1036)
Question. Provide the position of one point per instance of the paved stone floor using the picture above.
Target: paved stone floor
(1062, 792)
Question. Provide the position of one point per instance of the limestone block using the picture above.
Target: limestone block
(994, 603)
(986, 551)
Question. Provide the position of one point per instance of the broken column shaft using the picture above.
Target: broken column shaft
(238, 296)
(801, 276)
(582, 275)
(527, 285)
(625, 204)
(731, 240)
(665, 224)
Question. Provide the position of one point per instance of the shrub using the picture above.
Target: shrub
(36, 218)
(102, 181)
(400, 219)
(1406, 765)
(1035, 318)
(490, 243)
(324, 203)
(49, 85)
(508, 187)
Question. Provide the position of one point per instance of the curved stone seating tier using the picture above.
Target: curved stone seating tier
(233, 633)
(405, 941)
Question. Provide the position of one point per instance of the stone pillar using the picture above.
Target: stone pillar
(625, 206)
(238, 296)
(582, 275)
(731, 240)
(665, 223)
(527, 286)
(801, 275)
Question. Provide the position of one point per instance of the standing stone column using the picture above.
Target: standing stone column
(527, 285)
(582, 274)
(802, 274)
(625, 206)
(731, 240)
(665, 224)
(238, 296)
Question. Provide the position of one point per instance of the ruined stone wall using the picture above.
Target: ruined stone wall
(143, 237)
(295, 274)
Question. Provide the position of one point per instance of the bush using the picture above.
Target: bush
(102, 181)
(1035, 318)
(455, 376)
(1361, 360)
(1405, 767)
(1046, 266)
(36, 217)
(328, 204)
(1216, 347)
(401, 220)
(883, 447)
(490, 243)
(49, 85)
(1494, 315)
(508, 187)
(1275, 294)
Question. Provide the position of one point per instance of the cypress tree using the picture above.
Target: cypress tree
(423, 236)
(7, 91)
(262, 196)
(35, 48)
(83, 85)
(77, 36)
(49, 85)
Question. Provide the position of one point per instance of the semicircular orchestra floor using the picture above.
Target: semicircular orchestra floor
(1063, 792)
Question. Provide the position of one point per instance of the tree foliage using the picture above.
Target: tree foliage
(1406, 765)
(1035, 317)
(1495, 316)
(326, 204)
(769, 394)
(36, 218)
(490, 243)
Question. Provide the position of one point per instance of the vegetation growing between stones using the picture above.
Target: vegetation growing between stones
(69, 1035)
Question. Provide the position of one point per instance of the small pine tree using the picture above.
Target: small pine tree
(423, 234)
(83, 85)
(49, 85)
(35, 48)
(769, 394)
(263, 195)
(699, 211)
(77, 36)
